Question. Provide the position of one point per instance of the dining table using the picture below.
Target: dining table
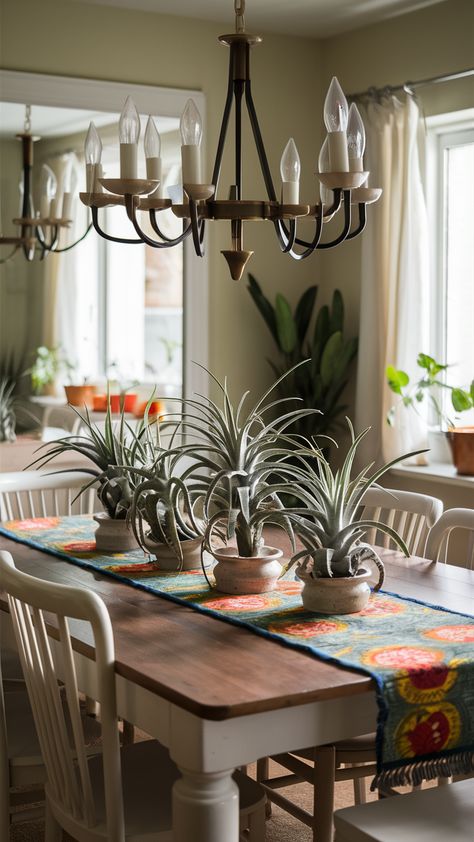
(218, 695)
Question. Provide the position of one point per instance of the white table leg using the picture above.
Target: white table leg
(205, 807)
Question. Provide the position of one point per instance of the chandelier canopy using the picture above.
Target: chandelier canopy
(40, 230)
(341, 172)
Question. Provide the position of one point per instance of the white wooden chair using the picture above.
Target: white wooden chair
(122, 794)
(27, 494)
(432, 815)
(438, 539)
(412, 515)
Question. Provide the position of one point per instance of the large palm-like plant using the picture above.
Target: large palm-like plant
(240, 464)
(330, 528)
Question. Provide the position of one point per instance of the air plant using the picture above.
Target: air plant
(239, 464)
(330, 528)
(115, 453)
(7, 410)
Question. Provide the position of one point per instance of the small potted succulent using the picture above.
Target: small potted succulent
(240, 466)
(162, 512)
(335, 562)
(116, 455)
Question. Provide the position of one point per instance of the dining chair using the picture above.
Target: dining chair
(29, 494)
(122, 793)
(438, 539)
(412, 515)
(432, 815)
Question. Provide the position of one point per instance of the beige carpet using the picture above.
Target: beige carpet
(281, 827)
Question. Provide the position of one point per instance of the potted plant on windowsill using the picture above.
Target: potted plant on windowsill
(335, 562)
(48, 364)
(240, 467)
(116, 455)
(429, 386)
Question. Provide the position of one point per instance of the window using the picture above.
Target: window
(451, 205)
(131, 304)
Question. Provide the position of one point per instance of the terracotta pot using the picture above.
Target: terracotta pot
(128, 401)
(113, 536)
(80, 395)
(167, 560)
(339, 595)
(236, 574)
(461, 440)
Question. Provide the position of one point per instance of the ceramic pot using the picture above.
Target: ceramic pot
(114, 536)
(240, 575)
(461, 440)
(167, 560)
(339, 595)
(80, 395)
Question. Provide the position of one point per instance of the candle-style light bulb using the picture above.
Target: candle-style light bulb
(152, 144)
(93, 154)
(129, 132)
(69, 187)
(190, 127)
(335, 118)
(355, 139)
(48, 188)
(323, 166)
(290, 170)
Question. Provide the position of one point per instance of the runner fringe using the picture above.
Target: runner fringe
(413, 774)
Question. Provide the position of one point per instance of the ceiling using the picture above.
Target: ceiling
(314, 18)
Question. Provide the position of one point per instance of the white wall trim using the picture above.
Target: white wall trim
(100, 95)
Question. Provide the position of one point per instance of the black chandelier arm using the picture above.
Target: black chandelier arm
(9, 256)
(95, 222)
(71, 246)
(309, 246)
(169, 241)
(362, 222)
(337, 201)
(47, 247)
(347, 224)
(197, 228)
(262, 155)
(223, 132)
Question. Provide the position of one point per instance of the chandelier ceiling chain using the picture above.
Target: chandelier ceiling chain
(39, 231)
(340, 172)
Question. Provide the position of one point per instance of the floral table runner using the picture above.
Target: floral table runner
(420, 656)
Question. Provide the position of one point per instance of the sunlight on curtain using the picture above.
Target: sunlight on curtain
(394, 318)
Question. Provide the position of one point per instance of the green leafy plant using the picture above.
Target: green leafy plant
(330, 528)
(48, 364)
(115, 453)
(240, 464)
(428, 386)
(7, 410)
(321, 383)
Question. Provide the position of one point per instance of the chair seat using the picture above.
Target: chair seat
(431, 815)
(148, 775)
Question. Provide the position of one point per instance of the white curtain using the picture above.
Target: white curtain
(70, 299)
(394, 277)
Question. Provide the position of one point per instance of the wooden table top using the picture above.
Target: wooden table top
(217, 670)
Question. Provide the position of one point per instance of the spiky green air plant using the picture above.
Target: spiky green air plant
(163, 506)
(115, 453)
(329, 528)
(7, 410)
(239, 464)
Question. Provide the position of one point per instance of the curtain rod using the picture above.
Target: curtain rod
(408, 86)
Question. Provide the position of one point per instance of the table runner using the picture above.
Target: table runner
(424, 676)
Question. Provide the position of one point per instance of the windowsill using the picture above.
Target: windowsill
(443, 472)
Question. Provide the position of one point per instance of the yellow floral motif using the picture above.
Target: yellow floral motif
(428, 730)
(428, 686)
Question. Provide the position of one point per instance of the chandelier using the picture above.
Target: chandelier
(39, 232)
(340, 172)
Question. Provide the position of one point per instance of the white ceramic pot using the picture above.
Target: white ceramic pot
(167, 560)
(114, 536)
(339, 595)
(240, 575)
